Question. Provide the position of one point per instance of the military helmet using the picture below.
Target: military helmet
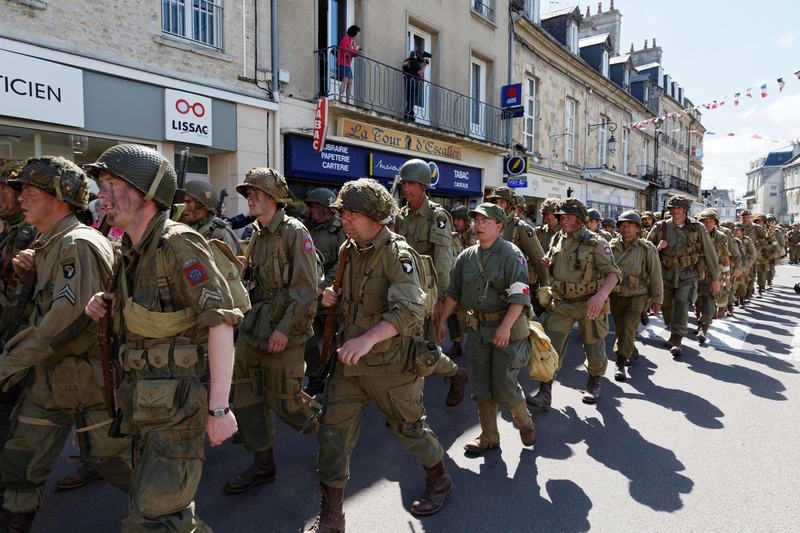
(648, 214)
(609, 222)
(629, 216)
(594, 214)
(680, 201)
(268, 180)
(416, 170)
(8, 168)
(504, 193)
(760, 216)
(572, 206)
(738, 225)
(204, 193)
(727, 224)
(321, 196)
(144, 168)
(708, 213)
(57, 176)
(368, 197)
(460, 212)
(549, 205)
(746, 213)
(771, 218)
(521, 202)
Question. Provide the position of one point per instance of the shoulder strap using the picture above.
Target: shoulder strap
(161, 273)
(280, 261)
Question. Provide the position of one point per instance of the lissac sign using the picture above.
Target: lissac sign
(187, 117)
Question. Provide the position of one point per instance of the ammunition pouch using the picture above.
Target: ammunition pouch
(574, 292)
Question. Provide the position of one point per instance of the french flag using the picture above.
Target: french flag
(736, 99)
(764, 91)
(781, 83)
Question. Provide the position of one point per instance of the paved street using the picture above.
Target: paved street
(704, 443)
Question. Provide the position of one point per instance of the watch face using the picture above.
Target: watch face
(219, 413)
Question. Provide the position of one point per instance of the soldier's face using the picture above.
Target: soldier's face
(460, 225)
(8, 201)
(414, 192)
(570, 223)
(550, 219)
(628, 229)
(593, 224)
(258, 201)
(709, 223)
(501, 203)
(359, 227)
(761, 222)
(38, 206)
(121, 200)
(647, 222)
(746, 219)
(738, 233)
(678, 214)
(319, 213)
(487, 230)
(193, 212)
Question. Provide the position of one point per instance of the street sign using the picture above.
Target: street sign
(518, 183)
(512, 112)
(515, 165)
(511, 96)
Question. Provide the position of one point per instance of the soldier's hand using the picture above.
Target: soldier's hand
(220, 429)
(96, 308)
(437, 312)
(277, 342)
(501, 336)
(736, 272)
(24, 262)
(714, 287)
(441, 332)
(329, 297)
(594, 305)
(655, 308)
(243, 260)
(662, 244)
(546, 262)
(353, 350)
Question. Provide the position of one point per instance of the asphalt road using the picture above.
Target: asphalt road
(704, 443)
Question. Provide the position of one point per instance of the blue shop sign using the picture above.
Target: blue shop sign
(342, 162)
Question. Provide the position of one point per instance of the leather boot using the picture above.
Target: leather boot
(83, 475)
(671, 342)
(645, 318)
(437, 486)
(489, 437)
(457, 385)
(701, 337)
(760, 291)
(592, 393)
(619, 373)
(676, 346)
(527, 431)
(729, 311)
(261, 471)
(544, 397)
(455, 349)
(741, 302)
(330, 518)
(698, 311)
(17, 522)
(720, 313)
(769, 284)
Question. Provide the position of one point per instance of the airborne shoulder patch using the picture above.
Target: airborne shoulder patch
(308, 244)
(68, 266)
(407, 264)
(607, 249)
(194, 272)
(530, 232)
(441, 222)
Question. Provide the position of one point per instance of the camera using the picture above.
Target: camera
(423, 56)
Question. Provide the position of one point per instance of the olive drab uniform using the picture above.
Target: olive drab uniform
(523, 235)
(65, 389)
(391, 291)
(328, 238)
(776, 236)
(708, 302)
(724, 298)
(641, 284)
(749, 270)
(457, 322)
(681, 264)
(169, 294)
(282, 266)
(546, 235)
(793, 244)
(213, 227)
(758, 235)
(579, 264)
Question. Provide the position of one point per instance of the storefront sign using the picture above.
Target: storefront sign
(321, 124)
(545, 187)
(398, 139)
(40, 90)
(187, 117)
(614, 196)
(341, 162)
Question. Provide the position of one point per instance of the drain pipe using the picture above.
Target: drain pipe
(276, 123)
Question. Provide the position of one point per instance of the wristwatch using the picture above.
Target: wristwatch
(219, 413)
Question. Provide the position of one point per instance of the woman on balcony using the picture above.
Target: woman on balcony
(346, 51)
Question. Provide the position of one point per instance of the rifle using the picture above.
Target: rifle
(180, 193)
(664, 220)
(327, 357)
(222, 194)
(25, 295)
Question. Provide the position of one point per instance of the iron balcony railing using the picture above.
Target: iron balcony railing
(377, 86)
(482, 8)
(673, 182)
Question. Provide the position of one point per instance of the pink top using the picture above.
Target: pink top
(347, 50)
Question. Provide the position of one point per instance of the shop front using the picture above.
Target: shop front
(610, 201)
(540, 187)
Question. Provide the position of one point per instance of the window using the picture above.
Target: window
(201, 21)
(626, 78)
(645, 149)
(602, 142)
(773, 190)
(569, 138)
(572, 37)
(529, 124)
(484, 8)
(478, 96)
(604, 63)
(532, 10)
(625, 136)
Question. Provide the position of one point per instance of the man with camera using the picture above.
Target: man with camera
(413, 73)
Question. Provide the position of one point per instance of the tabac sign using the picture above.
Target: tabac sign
(397, 139)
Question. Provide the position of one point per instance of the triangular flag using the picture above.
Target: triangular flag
(781, 83)
(797, 74)
(729, 134)
(722, 102)
(736, 99)
(764, 91)
(757, 136)
(748, 93)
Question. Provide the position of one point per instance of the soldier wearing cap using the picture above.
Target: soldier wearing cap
(748, 267)
(199, 213)
(499, 310)
(70, 263)
(681, 251)
(282, 280)
(521, 234)
(583, 274)
(736, 276)
(641, 287)
(382, 312)
(465, 235)
(710, 306)
(594, 222)
(325, 228)
(758, 235)
(428, 228)
(549, 226)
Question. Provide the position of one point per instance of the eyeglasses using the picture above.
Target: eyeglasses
(479, 223)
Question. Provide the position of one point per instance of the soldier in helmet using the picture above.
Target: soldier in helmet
(549, 226)
(648, 219)
(641, 287)
(758, 235)
(681, 242)
(465, 235)
(793, 243)
(174, 316)
(199, 213)
(610, 226)
(428, 228)
(710, 306)
(582, 276)
(774, 234)
(70, 263)
(325, 228)
(769, 249)
(594, 223)
(748, 270)
(282, 280)
(381, 316)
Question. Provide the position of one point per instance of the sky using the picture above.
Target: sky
(715, 49)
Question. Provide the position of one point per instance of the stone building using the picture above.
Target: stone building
(791, 187)
(766, 182)
(721, 200)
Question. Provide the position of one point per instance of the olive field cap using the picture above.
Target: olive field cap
(490, 211)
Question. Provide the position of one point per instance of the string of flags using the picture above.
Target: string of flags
(715, 104)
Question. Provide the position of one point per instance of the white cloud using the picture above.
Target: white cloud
(787, 40)
(744, 115)
(755, 45)
(784, 114)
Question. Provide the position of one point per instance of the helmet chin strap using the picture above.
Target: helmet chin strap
(157, 180)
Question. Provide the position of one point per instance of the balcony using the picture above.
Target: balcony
(749, 195)
(482, 8)
(379, 87)
(673, 182)
(650, 174)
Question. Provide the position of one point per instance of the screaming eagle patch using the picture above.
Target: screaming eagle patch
(408, 266)
(68, 266)
(441, 222)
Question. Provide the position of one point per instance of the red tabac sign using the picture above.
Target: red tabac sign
(320, 124)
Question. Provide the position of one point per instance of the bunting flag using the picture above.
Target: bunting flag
(736, 99)
(797, 74)
(781, 84)
(722, 102)
(764, 91)
(708, 133)
(757, 136)
(748, 92)
(729, 134)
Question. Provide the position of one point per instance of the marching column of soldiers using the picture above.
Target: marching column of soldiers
(181, 319)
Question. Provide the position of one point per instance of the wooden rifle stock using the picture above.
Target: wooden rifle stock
(664, 220)
(105, 340)
(328, 347)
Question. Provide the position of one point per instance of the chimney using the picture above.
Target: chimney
(611, 7)
(599, 7)
(631, 47)
(588, 11)
(654, 42)
(645, 44)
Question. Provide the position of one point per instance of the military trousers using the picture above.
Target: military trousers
(445, 368)
(709, 302)
(771, 271)
(558, 322)
(266, 383)
(763, 268)
(168, 452)
(493, 371)
(312, 349)
(346, 397)
(626, 311)
(59, 397)
(677, 303)
(742, 283)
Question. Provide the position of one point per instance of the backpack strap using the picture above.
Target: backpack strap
(161, 273)
(280, 261)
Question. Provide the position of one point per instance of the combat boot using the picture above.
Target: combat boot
(457, 386)
(438, 485)
(544, 397)
(720, 313)
(729, 311)
(489, 438)
(85, 474)
(261, 471)
(698, 312)
(619, 373)
(769, 284)
(455, 350)
(330, 518)
(17, 522)
(675, 350)
(760, 291)
(671, 342)
(527, 431)
(645, 318)
(592, 393)
(701, 333)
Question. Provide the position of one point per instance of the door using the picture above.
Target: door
(477, 121)
(334, 17)
(421, 41)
